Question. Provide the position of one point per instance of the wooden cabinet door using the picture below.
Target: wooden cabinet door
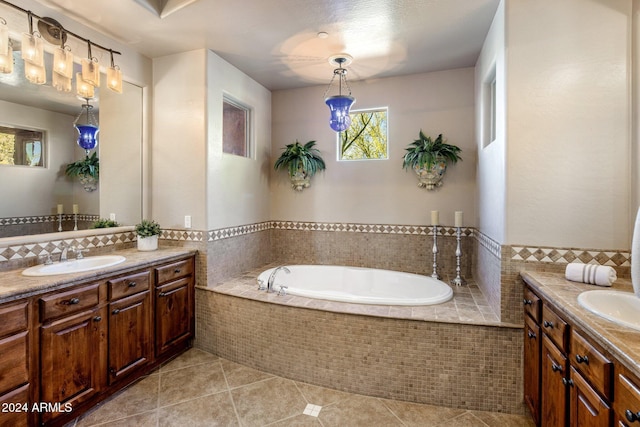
(554, 397)
(587, 408)
(532, 348)
(173, 314)
(130, 344)
(72, 359)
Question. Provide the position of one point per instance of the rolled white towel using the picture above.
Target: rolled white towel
(592, 274)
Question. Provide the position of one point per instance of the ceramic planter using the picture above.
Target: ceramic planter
(300, 180)
(89, 183)
(148, 243)
(431, 178)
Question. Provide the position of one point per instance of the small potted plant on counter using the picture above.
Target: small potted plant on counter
(429, 159)
(302, 162)
(148, 232)
(104, 223)
(88, 170)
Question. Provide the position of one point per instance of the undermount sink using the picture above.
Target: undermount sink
(74, 266)
(622, 308)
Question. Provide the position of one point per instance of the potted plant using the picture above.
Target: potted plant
(88, 170)
(104, 223)
(148, 232)
(302, 162)
(429, 159)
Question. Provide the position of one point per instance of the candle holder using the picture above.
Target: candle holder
(458, 280)
(59, 222)
(434, 249)
(75, 222)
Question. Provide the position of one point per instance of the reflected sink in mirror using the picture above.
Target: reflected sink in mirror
(74, 266)
(619, 307)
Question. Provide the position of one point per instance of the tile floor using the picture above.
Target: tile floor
(200, 389)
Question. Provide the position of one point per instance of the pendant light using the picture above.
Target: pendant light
(114, 76)
(6, 61)
(87, 127)
(84, 89)
(4, 37)
(340, 104)
(91, 68)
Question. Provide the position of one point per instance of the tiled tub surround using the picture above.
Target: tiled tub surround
(442, 355)
(620, 341)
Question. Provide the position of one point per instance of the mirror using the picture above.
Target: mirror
(31, 195)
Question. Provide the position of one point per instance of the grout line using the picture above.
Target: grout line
(383, 401)
(233, 403)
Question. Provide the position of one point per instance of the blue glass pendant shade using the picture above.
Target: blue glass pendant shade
(339, 106)
(87, 136)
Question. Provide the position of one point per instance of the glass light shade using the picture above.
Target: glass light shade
(87, 136)
(32, 49)
(339, 106)
(6, 62)
(36, 74)
(60, 82)
(63, 62)
(91, 71)
(84, 89)
(114, 79)
(4, 37)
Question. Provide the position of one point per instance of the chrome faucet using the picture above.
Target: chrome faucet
(272, 277)
(65, 249)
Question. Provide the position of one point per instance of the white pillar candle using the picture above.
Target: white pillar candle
(458, 219)
(60, 209)
(435, 217)
(75, 209)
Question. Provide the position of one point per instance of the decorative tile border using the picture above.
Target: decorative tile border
(21, 220)
(567, 255)
(488, 243)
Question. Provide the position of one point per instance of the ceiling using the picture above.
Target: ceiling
(276, 42)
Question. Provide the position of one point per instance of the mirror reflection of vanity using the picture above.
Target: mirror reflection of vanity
(30, 195)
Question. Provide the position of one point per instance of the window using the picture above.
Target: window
(21, 147)
(236, 132)
(366, 138)
(489, 109)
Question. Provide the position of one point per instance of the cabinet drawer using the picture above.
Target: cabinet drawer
(595, 367)
(65, 303)
(555, 328)
(532, 305)
(129, 285)
(627, 398)
(14, 318)
(14, 369)
(173, 271)
(15, 399)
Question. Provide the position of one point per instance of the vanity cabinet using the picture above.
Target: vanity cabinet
(532, 353)
(70, 349)
(576, 377)
(15, 381)
(627, 398)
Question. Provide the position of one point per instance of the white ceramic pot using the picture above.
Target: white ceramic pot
(431, 178)
(148, 243)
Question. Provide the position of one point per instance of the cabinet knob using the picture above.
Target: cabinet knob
(582, 359)
(162, 294)
(632, 416)
(177, 270)
(555, 367)
(132, 284)
(527, 302)
(531, 334)
(567, 382)
(97, 319)
(115, 311)
(547, 324)
(73, 301)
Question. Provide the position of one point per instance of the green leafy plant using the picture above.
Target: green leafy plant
(105, 223)
(300, 157)
(148, 228)
(89, 166)
(425, 152)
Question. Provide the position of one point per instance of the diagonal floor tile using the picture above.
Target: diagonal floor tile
(358, 411)
(239, 375)
(208, 411)
(321, 396)
(191, 382)
(298, 421)
(465, 420)
(140, 397)
(420, 415)
(147, 419)
(268, 401)
(189, 358)
(496, 419)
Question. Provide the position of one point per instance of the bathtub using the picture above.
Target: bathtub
(360, 285)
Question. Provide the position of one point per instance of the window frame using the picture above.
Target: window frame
(339, 153)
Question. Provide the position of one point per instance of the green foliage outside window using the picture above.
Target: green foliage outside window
(7, 148)
(366, 138)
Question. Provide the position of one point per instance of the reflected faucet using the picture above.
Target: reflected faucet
(63, 255)
(272, 277)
